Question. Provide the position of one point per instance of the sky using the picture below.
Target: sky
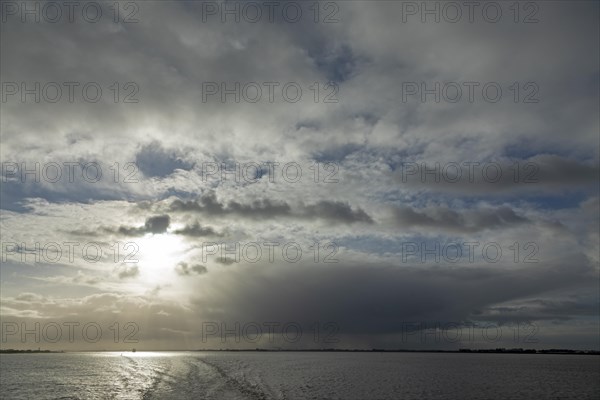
(297, 174)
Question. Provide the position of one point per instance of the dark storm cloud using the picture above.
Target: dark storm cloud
(379, 299)
(464, 221)
(334, 211)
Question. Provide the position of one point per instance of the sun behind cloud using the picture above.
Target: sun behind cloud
(158, 254)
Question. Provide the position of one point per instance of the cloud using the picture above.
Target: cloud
(341, 294)
(543, 173)
(150, 153)
(337, 64)
(336, 211)
(444, 218)
(559, 307)
(210, 205)
(184, 268)
(157, 224)
(332, 211)
(29, 297)
(155, 161)
(226, 261)
(196, 230)
(127, 271)
(344, 293)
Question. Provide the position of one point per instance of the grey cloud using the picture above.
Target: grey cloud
(544, 173)
(78, 279)
(30, 297)
(210, 205)
(155, 161)
(465, 221)
(197, 230)
(555, 170)
(337, 64)
(14, 193)
(125, 272)
(334, 211)
(337, 153)
(543, 309)
(81, 278)
(370, 53)
(226, 261)
(184, 268)
(157, 224)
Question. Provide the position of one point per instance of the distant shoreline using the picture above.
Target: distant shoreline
(462, 351)
(13, 351)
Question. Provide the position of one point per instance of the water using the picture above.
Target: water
(259, 375)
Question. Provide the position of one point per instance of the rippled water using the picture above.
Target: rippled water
(259, 375)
